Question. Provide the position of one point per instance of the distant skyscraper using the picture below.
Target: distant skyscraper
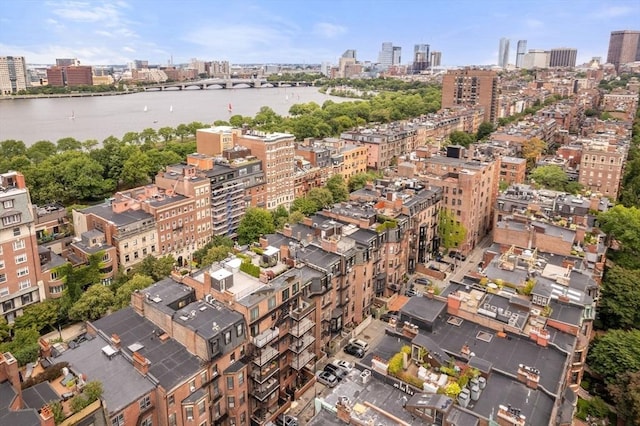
(471, 87)
(397, 55)
(385, 57)
(349, 54)
(420, 58)
(13, 74)
(536, 58)
(67, 62)
(503, 53)
(624, 47)
(436, 59)
(563, 57)
(522, 50)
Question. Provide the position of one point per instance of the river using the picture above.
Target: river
(31, 120)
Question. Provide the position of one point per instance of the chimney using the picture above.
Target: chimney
(307, 221)
(309, 238)
(45, 347)
(137, 302)
(115, 341)
(287, 231)
(529, 376)
(264, 243)
(9, 371)
(46, 416)
(141, 363)
(453, 303)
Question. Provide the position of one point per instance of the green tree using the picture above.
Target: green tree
(89, 145)
(12, 148)
(123, 294)
(615, 353)
(58, 411)
(149, 135)
(24, 346)
(181, 131)
(338, 188)
(620, 298)
(131, 138)
(41, 150)
(450, 230)
(5, 329)
(256, 222)
(136, 170)
(623, 224)
(626, 395)
(359, 180)
(156, 268)
(68, 144)
(93, 304)
(166, 133)
(551, 177)
(322, 197)
(461, 138)
(215, 254)
(484, 130)
(41, 315)
(304, 205)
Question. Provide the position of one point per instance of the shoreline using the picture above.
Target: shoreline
(65, 95)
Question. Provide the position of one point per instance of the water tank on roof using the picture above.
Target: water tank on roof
(454, 151)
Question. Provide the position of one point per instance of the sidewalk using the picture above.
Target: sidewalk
(68, 333)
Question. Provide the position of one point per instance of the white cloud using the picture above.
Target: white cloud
(533, 23)
(327, 30)
(613, 12)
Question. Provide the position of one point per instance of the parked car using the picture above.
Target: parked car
(327, 378)
(410, 293)
(339, 372)
(360, 343)
(422, 281)
(454, 254)
(343, 364)
(388, 316)
(354, 350)
(433, 267)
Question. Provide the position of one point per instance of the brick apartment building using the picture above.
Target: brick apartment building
(601, 166)
(70, 76)
(19, 260)
(472, 87)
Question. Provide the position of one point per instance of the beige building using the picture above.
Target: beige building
(13, 75)
(601, 167)
(214, 140)
(472, 87)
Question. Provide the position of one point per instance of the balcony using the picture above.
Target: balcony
(304, 308)
(262, 392)
(263, 373)
(300, 361)
(301, 344)
(265, 355)
(298, 329)
(265, 337)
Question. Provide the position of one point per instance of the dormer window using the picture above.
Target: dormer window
(7, 204)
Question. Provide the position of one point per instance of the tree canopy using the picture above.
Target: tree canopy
(256, 222)
(532, 149)
(623, 224)
(615, 353)
(620, 298)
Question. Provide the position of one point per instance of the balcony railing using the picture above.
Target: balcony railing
(263, 373)
(301, 327)
(262, 392)
(265, 355)
(301, 344)
(299, 361)
(304, 308)
(265, 337)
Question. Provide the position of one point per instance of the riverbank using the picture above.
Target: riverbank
(65, 95)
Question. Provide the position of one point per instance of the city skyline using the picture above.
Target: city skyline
(284, 32)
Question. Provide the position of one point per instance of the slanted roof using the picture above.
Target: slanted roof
(39, 395)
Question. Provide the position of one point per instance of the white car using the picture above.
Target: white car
(343, 364)
(360, 343)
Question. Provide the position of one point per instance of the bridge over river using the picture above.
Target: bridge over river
(229, 83)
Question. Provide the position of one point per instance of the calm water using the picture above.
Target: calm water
(31, 120)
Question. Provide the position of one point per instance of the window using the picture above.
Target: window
(229, 382)
(11, 219)
(188, 411)
(272, 302)
(8, 305)
(240, 379)
(147, 422)
(285, 294)
(7, 204)
(192, 385)
(18, 245)
(20, 258)
(203, 377)
(201, 408)
(172, 419)
(255, 313)
(23, 271)
(26, 299)
(231, 401)
(227, 337)
(126, 258)
(1, 263)
(4, 291)
(239, 330)
(25, 284)
(118, 420)
(171, 400)
(16, 232)
(145, 403)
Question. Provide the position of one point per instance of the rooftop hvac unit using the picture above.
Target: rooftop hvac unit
(365, 376)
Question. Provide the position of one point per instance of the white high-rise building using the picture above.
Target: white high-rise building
(13, 74)
(520, 52)
(536, 58)
(385, 57)
(503, 53)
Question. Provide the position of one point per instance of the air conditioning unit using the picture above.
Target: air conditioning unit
(208, 298)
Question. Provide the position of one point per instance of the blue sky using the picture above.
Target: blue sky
(303, 31)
